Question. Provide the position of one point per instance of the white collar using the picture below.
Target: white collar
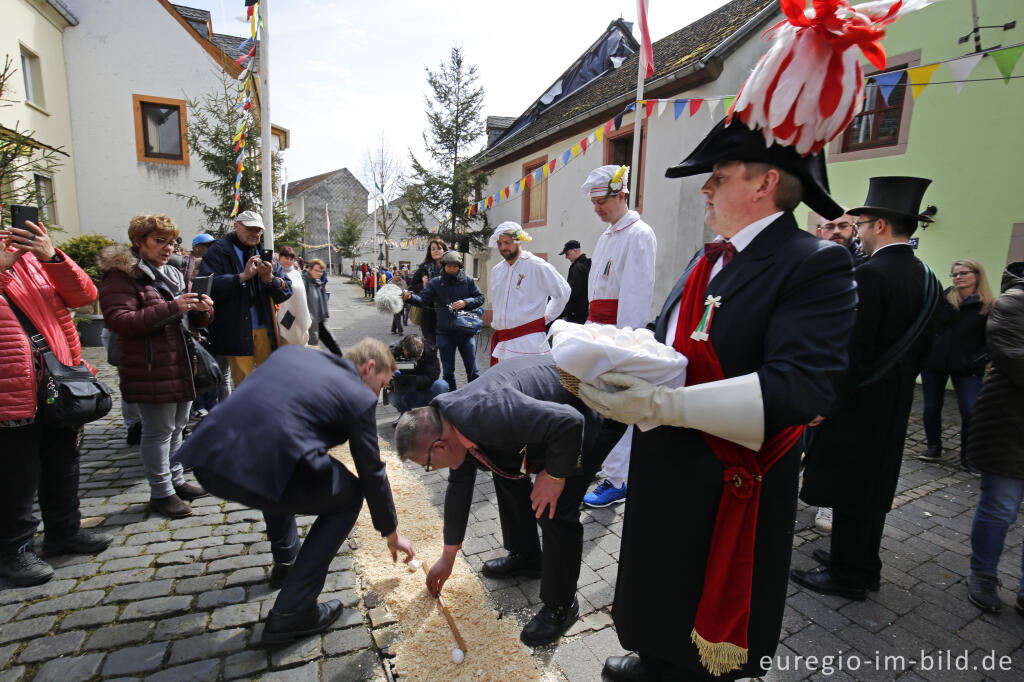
(742, 239)
(625, 221)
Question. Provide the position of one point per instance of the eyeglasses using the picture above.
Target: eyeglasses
(962, 273)
(866, 222)
(430, 449)
(831, 227)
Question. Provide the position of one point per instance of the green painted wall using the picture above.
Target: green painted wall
(971, 145)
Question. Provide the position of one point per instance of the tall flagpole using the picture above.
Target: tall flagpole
(644, 68)
(266, 152)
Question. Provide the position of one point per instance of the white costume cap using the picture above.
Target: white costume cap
(605, 181)
(512, 229)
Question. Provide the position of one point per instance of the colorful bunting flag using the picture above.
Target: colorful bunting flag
(661, 107)
(920, 77)
(680, 107)
(695, 106)
(886, 82)
(583, 145)
(962, 68)
(650, 107)
(1006, 59)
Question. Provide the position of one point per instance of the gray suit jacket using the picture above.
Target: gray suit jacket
(517, 404)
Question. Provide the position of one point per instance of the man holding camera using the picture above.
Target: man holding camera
(415, 385)
(247, 283)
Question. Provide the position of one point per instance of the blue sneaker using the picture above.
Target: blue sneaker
(605, 494)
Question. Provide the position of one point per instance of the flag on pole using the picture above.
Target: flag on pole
(646, 50)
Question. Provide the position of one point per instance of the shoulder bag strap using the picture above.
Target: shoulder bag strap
(38, 340)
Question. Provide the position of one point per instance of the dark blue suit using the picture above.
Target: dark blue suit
(266, 447)
(786, 313)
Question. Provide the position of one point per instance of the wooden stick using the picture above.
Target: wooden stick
(448, 616)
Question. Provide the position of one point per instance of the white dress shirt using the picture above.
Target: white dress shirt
(523, 291)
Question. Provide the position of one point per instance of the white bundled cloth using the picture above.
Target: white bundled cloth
(297, 333)
(389, 299)
(588, 351)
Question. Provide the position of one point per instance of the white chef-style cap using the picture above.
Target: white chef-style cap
(606, 181)
(512, 229)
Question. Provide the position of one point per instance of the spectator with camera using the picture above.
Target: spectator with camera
(38, 282)
(447, 295)
(146, 302)
(418, 385)
(247, 283)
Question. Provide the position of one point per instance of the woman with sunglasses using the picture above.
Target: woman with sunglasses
(958, 352)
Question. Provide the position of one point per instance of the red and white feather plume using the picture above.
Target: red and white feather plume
(809, 85)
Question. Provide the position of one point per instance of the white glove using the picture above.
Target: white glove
(732, 409)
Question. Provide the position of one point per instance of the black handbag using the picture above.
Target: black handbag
(206, 373)
(466, 322)
(68, 396)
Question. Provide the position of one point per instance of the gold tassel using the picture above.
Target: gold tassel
(719, 657)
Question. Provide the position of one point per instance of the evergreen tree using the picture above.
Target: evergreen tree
(346, 240)
(213, 120)
(446, 188)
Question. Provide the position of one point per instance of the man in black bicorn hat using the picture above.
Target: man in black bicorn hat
(854, 460)
(579, 272)
(759, 313)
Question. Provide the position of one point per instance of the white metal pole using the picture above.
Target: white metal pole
(266, 152)
(327, 217)
(634, 169)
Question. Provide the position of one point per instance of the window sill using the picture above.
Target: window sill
(38, 108)
(172, 162)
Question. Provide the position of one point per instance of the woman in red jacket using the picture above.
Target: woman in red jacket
(43, 283)
(145, 302)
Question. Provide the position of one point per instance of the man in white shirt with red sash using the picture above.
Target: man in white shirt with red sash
(527, 293)
(620, 289)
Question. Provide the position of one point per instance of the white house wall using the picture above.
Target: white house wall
(673, 207)
(120, 49)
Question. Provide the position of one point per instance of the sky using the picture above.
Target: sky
(345, 73)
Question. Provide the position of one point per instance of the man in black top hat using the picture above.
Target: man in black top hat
(759, 368)
(579, 272)
(854, 460)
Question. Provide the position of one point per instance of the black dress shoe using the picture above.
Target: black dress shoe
(627, 669)
(932, 454)
(284, 628)
(512, 565)
(82, 542)
(825, 559)
(550, 623)
(278, 573)
(820, 580)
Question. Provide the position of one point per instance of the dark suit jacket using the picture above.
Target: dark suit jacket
(518, 403)
(787, 311)
(577, 308)
(855, 456)
(280, 423)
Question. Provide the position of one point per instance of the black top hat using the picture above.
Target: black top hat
(895, 195)
(737, 142)
(569, 246)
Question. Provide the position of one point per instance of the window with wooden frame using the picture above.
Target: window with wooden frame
(618, 150)
(160, 130)
(535, 195)
(878, 123)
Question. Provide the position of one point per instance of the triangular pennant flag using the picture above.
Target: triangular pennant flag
(610, 124)
(547, 169)
(565, 156)
(1007, 59)
(650, 107)
(583, 145)
(920, 77)
(631, 107)
(695, 105)
(713, 108)
(887, 81)
(540, 174)
(551, 166)
(617, 122)
(661, 106)
(962, 68)
(599, 133)
(576, 149)
(727, 103)
(680, 107)
(529, 180)
(504, 193)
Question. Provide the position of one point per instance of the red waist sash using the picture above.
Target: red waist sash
(514, 333)
(604, 311)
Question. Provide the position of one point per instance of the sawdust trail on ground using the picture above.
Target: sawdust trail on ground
(423, 650)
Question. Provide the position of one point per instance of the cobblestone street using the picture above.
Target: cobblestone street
(182, 599)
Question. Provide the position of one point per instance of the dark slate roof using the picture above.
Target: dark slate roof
(682, 50)
(229, 45)
(500, 121)
(192, 13)
(300, 186)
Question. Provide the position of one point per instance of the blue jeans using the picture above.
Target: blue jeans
(997, 508)
(404, 402)
(446, 345)
(933, 387)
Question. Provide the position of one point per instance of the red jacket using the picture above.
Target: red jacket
(153, 364)
(44, 292)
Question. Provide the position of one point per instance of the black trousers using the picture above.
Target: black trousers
(335, 503)
(856, 543)
(44, 460)
(563, 535)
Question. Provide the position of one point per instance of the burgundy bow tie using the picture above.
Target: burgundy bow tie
(713, 250)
